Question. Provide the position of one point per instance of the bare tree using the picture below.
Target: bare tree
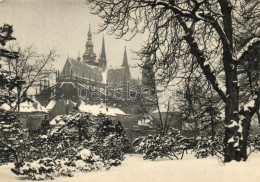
(157, 102)
(30, 67)
(208, 31)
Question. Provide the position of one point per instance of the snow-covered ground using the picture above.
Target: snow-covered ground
(135, 169)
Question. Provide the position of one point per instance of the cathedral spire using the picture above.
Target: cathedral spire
(125, 60)
(103, 57)
(126, 66)
(89, 55)
(89, 42)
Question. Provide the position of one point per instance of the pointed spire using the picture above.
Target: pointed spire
(89, 55)
(103, 51)
(103, 57)
(125, 60)
(89, 32)
(89, 42)
(126, 66)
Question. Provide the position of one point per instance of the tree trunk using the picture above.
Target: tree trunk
(231, 115)
(246, 128)
(231, 109)
(212, 130)
(258, 117)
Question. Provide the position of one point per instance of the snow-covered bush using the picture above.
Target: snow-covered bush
(209, 146)
(79, 144)
(86, 161)
(111, 148)
(12, 137)
(154, 146)
(253, 141)
(45, 168)
(49, 168)
(108, 142)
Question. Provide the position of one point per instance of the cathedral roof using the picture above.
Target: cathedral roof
(76, 68)
(79, 69)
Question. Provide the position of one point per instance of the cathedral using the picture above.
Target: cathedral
(89, 78)
(95, 69)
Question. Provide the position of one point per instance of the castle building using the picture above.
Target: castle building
(87, 74)
(89, 80)
(92, 69)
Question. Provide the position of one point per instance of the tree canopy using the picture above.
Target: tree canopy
(205, 38)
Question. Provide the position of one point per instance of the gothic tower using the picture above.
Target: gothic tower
(89, 56)
(148, 74)
(103, 58)
(126, 66)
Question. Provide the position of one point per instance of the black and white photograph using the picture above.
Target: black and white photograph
(130, 90)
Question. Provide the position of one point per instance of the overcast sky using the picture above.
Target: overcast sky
(63, 25)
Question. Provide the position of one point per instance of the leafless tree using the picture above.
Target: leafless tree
(209, 31)
(157, 101)
(31, 67)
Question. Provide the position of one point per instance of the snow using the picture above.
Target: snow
(71, 83)
(232, 125)
(240, 129)
(134, 168)
(44, 136)
(26, 107)
(85, 154)
(57, 120)
(39, 108)
(104, 76)
(100, 108)
(236, 144)
(246, 47)
(51, 105)
(231, 140)
(162, 110)
(5, 107)
(206, 63)
(220, 85)
(250, 104)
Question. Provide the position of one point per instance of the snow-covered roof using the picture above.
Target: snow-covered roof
(27, 106)
(32, 107)
(100, 108)
(51, 105)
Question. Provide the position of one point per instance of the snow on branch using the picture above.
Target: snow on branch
(247, 47)
(250, 104)
(232, 125)
(253, 105)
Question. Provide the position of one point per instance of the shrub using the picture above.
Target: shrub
(45, 168)
(207, 146)
(86, 161)
(82, 143)
(107, 141)
(171, 145)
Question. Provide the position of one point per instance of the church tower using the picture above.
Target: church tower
(103, 58)
(89, 56)
(126, 66)
(148, 74)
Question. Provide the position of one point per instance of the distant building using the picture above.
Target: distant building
(31, 114)
(102, 88)
(90, 79)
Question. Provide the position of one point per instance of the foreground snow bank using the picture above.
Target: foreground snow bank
(135, 169)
